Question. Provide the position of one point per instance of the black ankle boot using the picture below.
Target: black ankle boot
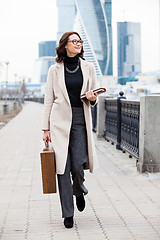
(80, 202)
(68, 222)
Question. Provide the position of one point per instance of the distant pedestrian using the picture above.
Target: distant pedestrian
(67, 121)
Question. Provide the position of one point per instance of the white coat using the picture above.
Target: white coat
(57, 115)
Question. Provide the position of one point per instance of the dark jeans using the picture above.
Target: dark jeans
(76, 160)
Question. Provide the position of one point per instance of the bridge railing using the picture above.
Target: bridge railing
(121, 123)
(35, 99)
(130, 114)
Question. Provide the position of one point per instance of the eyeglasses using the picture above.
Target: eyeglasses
(75, 42)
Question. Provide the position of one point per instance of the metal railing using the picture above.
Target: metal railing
(111, 120)
(122, 124)
(35, 99)
(130, 111)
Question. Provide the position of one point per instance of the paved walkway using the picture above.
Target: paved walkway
(121, 205)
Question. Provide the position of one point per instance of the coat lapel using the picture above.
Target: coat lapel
(85, 72)
(61, 80)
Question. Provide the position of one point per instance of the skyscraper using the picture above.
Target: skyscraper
(159, 34)
(108, 11)
(47, 56)
(66, 16)
(129, 49)
(41, 66)
(47, 48)
(92, 20)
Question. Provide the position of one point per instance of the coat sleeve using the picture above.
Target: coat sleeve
(48, 100)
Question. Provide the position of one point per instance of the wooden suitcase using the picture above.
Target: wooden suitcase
(48, 170)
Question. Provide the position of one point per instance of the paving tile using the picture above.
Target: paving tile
(121, 205)
(13, 237)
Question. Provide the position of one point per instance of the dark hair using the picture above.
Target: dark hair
(61, 51)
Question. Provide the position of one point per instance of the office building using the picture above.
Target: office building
(159, 34)
(66, 16)
(41, 67)
(47, 48)
(129, 50)
(47, 56)
(108, 12)
(92, 20)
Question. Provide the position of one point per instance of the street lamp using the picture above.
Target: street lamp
(15, 103)
(5, 106)
(7, 63)
(15, 86)
(19, 91)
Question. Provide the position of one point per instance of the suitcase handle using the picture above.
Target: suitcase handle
(46, 147)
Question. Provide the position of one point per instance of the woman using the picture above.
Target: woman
(67, 121)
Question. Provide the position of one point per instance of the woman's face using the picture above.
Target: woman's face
(73, 46)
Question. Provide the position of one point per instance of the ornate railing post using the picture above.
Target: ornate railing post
(118, 145)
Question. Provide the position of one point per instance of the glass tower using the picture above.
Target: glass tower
(108, 12)
(47, 48)
(66, 15)
(92, 20)
(47, 56)
(41, 67)
(129, 49)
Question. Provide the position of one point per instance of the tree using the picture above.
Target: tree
(23, 87)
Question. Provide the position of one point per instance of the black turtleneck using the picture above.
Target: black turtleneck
(73, 81)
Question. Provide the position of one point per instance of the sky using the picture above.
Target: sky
(25, 23)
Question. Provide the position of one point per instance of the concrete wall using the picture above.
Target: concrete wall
(149, 134)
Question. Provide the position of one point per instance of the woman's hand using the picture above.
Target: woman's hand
(91, 96)
(46, 136)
